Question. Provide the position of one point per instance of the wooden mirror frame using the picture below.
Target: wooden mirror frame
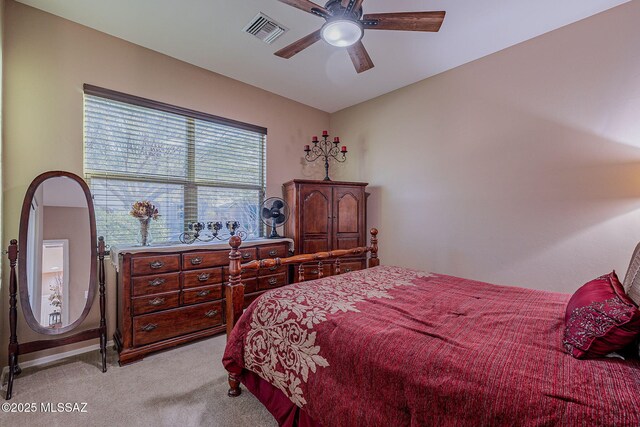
(22, 254)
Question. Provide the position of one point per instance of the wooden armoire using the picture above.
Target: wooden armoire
(327, 215)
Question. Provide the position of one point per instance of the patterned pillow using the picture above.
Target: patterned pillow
(600, 319)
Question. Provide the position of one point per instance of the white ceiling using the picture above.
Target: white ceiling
(208, 33)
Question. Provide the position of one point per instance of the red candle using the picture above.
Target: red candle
(325, 133)
(344, 148)
(306, 148)
(315, 139)
(336, 140)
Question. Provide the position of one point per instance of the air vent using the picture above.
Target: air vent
(265, 28)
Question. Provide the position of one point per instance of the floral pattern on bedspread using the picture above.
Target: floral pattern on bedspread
(281, 344)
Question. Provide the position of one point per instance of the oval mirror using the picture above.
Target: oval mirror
(58, 253)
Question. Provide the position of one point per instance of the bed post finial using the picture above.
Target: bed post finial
(374, 261)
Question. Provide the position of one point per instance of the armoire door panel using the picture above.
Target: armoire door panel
(316, 210)
(347, 208)
(347, 242)
(311, 245)
(348, 212)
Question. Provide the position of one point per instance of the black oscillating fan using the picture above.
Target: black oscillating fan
(274, 213)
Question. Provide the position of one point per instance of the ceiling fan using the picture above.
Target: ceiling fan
(346, 24)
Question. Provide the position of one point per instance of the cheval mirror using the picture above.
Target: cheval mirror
(58, 264)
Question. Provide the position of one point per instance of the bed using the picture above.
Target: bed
(395, 346)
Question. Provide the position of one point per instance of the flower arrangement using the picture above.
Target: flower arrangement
(144, 210)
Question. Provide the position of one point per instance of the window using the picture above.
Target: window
(192, 166)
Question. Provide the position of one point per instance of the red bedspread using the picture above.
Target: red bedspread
(390, 346)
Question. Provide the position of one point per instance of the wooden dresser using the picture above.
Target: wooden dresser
(327, 215)
(172, 297)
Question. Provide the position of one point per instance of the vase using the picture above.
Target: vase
(144, 238)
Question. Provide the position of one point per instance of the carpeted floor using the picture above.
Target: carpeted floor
(186, 386)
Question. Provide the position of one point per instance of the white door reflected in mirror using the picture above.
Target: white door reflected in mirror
(54, 305)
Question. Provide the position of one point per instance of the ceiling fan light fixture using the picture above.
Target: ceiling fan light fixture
(342, 32)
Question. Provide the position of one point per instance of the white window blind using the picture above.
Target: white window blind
(192, 166)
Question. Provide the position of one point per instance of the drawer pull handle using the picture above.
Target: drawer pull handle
(157, 301)
(196, 261)
(314, 272)
(204, 277)
(149, 327)
(274, 268)
(156, 265)
(156, 282)
(273, 252)
(273, 281)
(211, 313)
(347, 270)
(204, 293)
(246, 255)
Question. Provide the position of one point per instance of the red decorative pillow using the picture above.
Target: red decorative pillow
(600, 319)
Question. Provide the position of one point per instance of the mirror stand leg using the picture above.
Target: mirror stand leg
(14, 370)
(103, 351)
(103, 320)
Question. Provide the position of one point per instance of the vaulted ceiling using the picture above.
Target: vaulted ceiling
(208, 33)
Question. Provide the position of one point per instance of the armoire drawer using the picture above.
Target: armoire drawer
(150, 328)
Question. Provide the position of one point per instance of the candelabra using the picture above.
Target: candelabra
(197, 232)
(325, 150)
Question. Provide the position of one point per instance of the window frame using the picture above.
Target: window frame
(190, 183)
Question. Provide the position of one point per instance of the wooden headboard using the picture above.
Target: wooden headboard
(234, 290)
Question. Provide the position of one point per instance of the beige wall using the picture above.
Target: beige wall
(47, 60)
(520, 168)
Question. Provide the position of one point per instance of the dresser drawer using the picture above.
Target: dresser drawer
(273, 251)
(152, 303)
(160, 283)
(155, 264)
(273, 270)
(250, 285)
(271, 282)
(197, 295)
(195, 260)
(245, 273)
(168, 324)
(211, 276)
(248, 254)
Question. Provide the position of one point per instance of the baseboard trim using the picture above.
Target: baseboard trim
(48, 359)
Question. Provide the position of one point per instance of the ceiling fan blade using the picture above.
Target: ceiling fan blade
(360, 58)
(297, 47)
(404, 21)
(306, 5)
(355, 5)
